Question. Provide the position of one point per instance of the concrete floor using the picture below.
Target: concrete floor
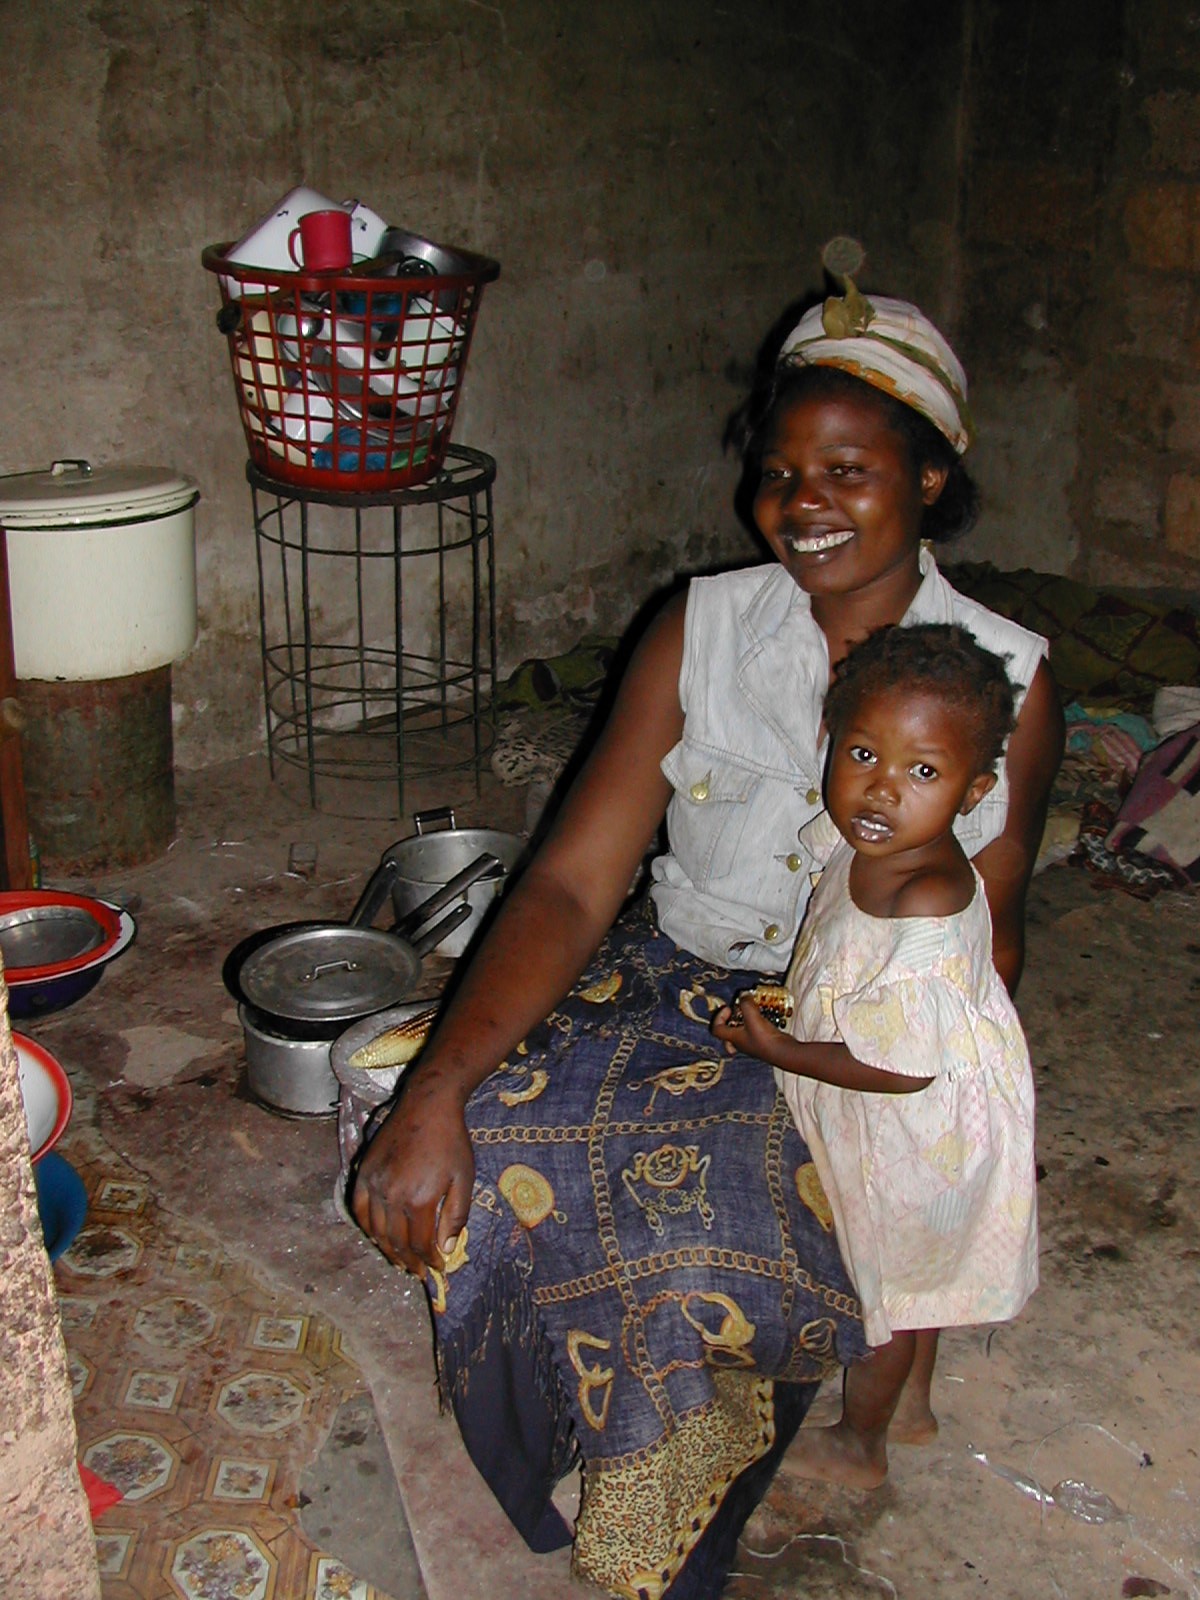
(1097, 1386)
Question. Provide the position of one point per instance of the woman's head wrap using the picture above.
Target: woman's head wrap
(892, 346)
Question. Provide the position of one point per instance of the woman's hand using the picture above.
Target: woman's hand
(412, 1190)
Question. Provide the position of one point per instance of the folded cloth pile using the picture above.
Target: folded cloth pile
(1107, 646)
(1159, 818)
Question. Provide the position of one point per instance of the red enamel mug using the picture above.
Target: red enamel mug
(324, 238)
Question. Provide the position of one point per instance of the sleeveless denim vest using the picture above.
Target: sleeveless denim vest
(747, 773)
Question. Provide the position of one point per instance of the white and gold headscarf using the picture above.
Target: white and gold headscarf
(891, 345)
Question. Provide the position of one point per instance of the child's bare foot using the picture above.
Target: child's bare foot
(913, 1423)
(838, 1455)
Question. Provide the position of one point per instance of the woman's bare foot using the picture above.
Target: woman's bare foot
(838, 1455)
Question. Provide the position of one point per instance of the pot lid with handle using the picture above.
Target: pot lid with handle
(73, 494)
(319, 974)
(329, 973)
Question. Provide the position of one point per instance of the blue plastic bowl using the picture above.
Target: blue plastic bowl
(62, 1202)
(43, 995)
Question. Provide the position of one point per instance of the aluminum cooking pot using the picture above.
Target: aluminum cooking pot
(290, 1075)
(310, 980)
(433, 855)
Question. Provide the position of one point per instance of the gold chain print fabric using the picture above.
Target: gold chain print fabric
(650, 1278)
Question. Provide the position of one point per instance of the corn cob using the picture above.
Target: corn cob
(772, 999)
(395, 1047)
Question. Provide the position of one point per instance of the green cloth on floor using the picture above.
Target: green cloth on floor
(574, 678)
(1106, 645)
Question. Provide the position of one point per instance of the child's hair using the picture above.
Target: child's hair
(955, 509)
(940, 658)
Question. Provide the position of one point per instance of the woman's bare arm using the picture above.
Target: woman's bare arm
(1006, 865)
(413, 1188)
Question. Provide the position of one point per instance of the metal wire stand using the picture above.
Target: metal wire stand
(347, 695)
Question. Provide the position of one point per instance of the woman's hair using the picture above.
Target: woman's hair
(955, 509)
(937, 658)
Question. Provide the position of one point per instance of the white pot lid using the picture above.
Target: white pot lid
(73, 494)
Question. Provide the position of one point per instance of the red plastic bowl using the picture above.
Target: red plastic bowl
(37, 921)
(46, 1091)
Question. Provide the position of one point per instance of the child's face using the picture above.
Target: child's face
(903, 767)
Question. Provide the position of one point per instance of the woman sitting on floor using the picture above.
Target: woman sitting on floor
(628, 1253)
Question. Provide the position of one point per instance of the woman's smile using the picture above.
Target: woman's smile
(814, 542)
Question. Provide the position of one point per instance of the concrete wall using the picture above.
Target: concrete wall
(1081, 248)
(656, 178)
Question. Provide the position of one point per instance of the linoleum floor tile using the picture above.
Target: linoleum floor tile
(202, 1395)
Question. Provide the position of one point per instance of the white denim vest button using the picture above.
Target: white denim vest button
(699, 790)
(771, 932)
(813, 796)
(794, 862)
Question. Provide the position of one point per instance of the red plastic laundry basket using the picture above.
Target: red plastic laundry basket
(348, 381)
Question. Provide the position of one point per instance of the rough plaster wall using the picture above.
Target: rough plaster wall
(1078, 237)
(1037, 109)
(655, 176)
(1139, 492)
(46, 1543)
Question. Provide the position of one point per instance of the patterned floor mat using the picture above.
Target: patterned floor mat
(202, 1396)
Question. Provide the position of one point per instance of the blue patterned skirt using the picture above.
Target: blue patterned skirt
(648, 1280)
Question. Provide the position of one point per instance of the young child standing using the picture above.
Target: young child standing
(908, 1073)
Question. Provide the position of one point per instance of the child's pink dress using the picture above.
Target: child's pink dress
(933, 1192)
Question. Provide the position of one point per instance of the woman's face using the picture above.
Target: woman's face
(839, 500)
